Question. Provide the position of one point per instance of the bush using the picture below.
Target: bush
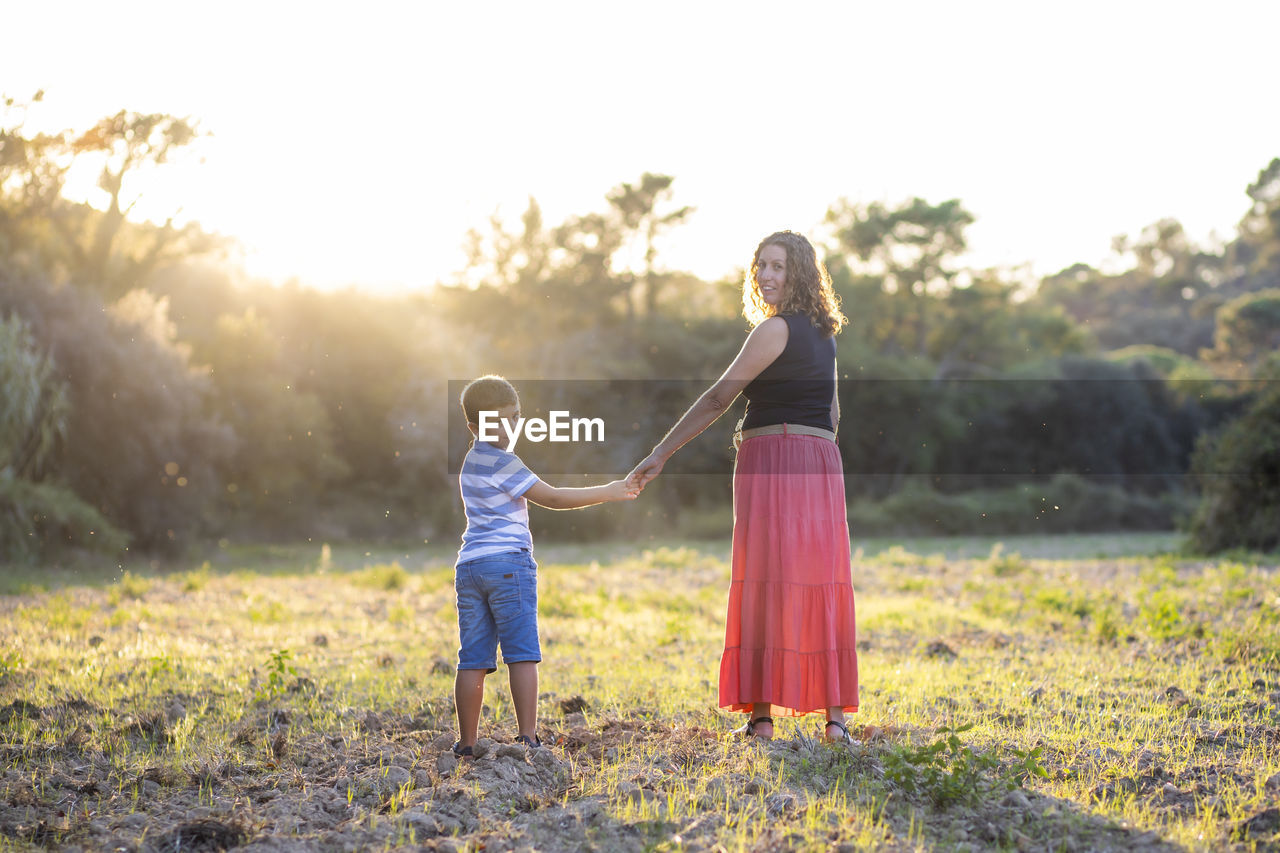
(35, 517)
(141, 444)
(33, 402)
(1071, 415)
(1064, 504)
(1239, 476)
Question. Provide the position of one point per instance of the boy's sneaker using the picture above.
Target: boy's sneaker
(531, 742)
(463, 751)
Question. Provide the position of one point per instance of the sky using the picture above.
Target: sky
(356, 144)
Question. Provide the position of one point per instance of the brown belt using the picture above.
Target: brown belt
(782, 429)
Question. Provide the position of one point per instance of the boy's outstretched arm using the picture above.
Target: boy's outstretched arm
(555, 497)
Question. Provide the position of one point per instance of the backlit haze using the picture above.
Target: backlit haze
(357, 143)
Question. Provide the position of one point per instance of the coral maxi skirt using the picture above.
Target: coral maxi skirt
(790, 637)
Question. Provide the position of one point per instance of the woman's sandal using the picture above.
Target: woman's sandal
(532, 742)
(844, 737)
(461, 751)
(749, 730)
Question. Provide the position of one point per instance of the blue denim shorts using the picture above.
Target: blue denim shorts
(497, 605)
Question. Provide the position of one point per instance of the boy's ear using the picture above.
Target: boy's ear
(474, 427)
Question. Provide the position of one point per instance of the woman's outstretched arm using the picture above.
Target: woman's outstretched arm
(765, 343)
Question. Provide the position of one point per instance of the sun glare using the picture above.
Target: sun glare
(364, 166)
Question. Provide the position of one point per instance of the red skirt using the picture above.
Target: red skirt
(790, 637)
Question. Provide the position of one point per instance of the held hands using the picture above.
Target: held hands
(628, 489)
(622, 490)
(649, 468)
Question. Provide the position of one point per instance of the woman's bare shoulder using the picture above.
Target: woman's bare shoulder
(773, 327)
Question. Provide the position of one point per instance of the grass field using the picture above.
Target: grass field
(1055, 693)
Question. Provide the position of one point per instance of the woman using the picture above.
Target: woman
(790, 634)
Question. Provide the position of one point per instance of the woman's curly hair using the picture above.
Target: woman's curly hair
(808, 290)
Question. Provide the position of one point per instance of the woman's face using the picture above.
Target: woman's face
(771, 274)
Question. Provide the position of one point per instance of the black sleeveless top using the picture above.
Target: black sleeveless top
(798, 386)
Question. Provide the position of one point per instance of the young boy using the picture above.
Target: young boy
(496, 577)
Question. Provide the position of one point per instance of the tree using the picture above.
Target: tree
(910, 248)
(520, 282)
(33, 170)
(350, 352)
(583, 272)
(102, 250)
(34, 514)
(284, 456)
(499, 257)
(1239, 475)
(983, 329)
(33, 405)
(636, 206)
(1247, 332)
(142, 445)
(1074, 415)
(1259, 242)
(1165, 297)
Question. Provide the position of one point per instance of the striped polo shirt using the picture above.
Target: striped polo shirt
(493, 482)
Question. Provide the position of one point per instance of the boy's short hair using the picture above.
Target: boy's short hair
(487, 394)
